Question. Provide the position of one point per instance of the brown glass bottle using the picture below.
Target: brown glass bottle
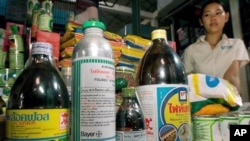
(163, 91)
(161, 64)
(38, 98)
(130, 123)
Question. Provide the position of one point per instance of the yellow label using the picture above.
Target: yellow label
(42, 124)
(196, 84)
(175, 111)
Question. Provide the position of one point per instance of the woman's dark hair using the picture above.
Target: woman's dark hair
(213, 1)
(228, 27)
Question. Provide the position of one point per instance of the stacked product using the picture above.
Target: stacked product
(116, 42)
(128, 54)
(134, 51)
(12, 57)
(42, 25)
(72, 36)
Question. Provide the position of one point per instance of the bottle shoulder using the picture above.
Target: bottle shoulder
(130, 103)
(39, 87)
(161, 64)
(91, 46)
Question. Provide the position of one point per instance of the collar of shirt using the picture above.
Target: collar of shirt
(202, 38)
(222, 42)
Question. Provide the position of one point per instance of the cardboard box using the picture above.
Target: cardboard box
(52, 38)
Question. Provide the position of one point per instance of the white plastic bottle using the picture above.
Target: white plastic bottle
(93, 86)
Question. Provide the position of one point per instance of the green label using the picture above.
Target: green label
(45, 22)
(16, 60)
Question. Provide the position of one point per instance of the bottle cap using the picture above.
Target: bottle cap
(159, 33)
(93, 23)
(128, 92)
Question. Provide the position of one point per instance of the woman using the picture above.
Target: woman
(214, 53)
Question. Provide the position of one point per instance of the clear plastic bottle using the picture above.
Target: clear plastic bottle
(93, 86)
(67, 78)
(38, 106)
(130, 123)
(163, 90)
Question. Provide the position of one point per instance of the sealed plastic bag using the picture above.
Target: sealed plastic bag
(212, 95)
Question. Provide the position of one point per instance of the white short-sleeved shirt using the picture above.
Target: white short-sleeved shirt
(200, 58)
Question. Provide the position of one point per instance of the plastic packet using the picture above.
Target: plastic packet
(203, 87)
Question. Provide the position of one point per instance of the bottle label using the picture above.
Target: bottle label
(166, 111)
(131, 135)
(45, 22)
(37, 124)
(93, 98)
(41, 48)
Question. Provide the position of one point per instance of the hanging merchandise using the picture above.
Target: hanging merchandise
(48, 6)
(93, 91)
(31, 5)
(163, 91)
(45, 19)
(130, 123)
(37, 99)
(16, 48)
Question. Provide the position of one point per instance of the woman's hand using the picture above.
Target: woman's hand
(233, 74)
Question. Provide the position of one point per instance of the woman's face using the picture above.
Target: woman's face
(214, 18)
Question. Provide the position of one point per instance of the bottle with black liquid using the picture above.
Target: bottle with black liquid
(130, 123)
(38, 106)
(162, 88)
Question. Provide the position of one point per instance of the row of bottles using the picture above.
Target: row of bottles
(39, 96)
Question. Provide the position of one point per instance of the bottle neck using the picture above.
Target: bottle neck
(130, 100)
(159, 39)
(94, 30)
(41, 53)
(40, 58)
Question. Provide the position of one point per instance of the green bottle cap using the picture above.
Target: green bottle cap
(94, 23)
(128, 92)
(14, 29)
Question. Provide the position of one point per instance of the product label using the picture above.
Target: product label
(94, 99)
(37, 124)
(45, 22)
(16, 60)
(131, 135)
(225, 122)
(206, 129)
(166, 110)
